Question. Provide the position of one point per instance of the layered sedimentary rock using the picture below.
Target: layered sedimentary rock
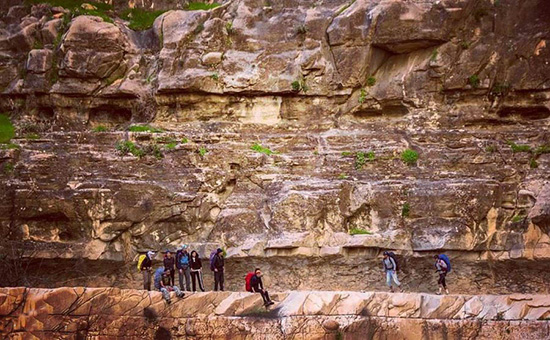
(269, 112)
(108, 313)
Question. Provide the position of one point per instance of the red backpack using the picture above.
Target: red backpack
(247, 279)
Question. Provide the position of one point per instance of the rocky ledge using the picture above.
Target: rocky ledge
(112, 313)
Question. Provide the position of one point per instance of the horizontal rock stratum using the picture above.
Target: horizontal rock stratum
(112, 313)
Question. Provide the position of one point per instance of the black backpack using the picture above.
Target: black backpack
(391, 254)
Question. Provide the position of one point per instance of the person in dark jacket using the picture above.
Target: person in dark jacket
(258, 287)
(219, 264)
(145, 268)
(441, 269)
(196, 270)
(162, 283)
(182, 264)
(169, 264)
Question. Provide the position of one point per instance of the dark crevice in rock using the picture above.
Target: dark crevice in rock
(525, 112)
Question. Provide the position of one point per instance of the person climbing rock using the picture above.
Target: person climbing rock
(162, 283)
(169, 264)
(442, 269)
(182, 263)
(390, 267)
(145, 265)
(196, 270)
(258, 287)
(218, 266)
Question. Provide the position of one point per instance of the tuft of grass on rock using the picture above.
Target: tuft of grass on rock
(125, 147)
(359, 231)
(258, 148)
(533, 163)
(171, 146)
(201, 6)
(215, 76)
(542, 149)
(32, 136)
(405, 209)
(144, 128)
(7, 131)
(474, 81)
(343, 176)
(140, 19)
(184, 140)
(433, 56)
(518, 147)
(8, 168)
(371, 81)
(299, 85)
(361, 158)
(491, 148)
(202, 151)
(100, 128)
(347, 153)
(518, 218)
(9, 146)
(362, 96)
(409, 157)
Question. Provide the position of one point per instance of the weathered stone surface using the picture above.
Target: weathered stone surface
(110, 313)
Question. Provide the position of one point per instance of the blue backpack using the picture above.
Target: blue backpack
(445, 259)
(184, 259)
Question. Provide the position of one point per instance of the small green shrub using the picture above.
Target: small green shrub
(474, 81)
(518, 147)
(491, 148)
(362, 96)
(37, 45)
(465, 45)
(144, 128)
(202, 151)
(154, 150)
(299, 85)
(7, 131)
(344, 7)
(171, 146)
(258, 148)
(229, 28)
(343, 176)
(371, 81)
(100, 128)
(362, 157)
(518, 218)
(409, 157)
(125, 147)
(9, 146)
(215, 76)
(32, 136)
(405, 210)
(542, 149)
(201, 6)
(434, 54)
(184, 140)
(359, 231)
(8, 168)
(140, 19)
(533, 163)
(346, 153)
(499, 89)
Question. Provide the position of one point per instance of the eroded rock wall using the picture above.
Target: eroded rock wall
(463, 83)
(130, 314)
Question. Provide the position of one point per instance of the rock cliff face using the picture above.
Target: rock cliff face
(107, 313)
(280, 128)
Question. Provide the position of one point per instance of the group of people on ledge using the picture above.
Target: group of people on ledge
(189, 268)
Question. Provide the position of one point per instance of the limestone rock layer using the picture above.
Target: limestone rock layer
(109, 313)
(278, 130)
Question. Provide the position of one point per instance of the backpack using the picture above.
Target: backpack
(391, 254)
(212, 258)
(184, 259)
(445, 259)
(247, 280)
(140, 260)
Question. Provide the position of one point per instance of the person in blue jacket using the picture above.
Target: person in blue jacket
(162, 283)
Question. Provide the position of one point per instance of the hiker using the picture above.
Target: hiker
(196, 270)
(390, 267)
(182, 263)
(162, 283)
(258, 287)
(169, 264)
(442, 268)
(217, 265)
(145, 262)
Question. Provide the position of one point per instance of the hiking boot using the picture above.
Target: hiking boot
(271, 303)
(447, 291)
